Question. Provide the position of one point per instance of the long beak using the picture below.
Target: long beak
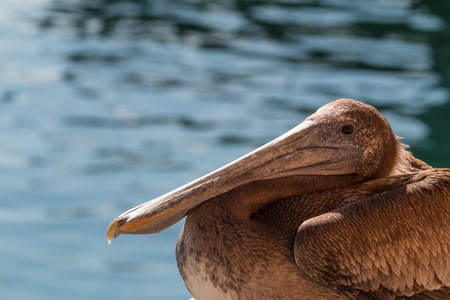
(301, 151)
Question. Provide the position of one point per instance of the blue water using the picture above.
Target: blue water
(108, 104)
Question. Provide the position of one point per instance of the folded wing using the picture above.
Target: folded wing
(393, 243)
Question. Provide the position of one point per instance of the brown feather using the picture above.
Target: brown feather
(406, 228)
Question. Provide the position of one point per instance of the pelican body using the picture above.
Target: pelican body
(335, 208)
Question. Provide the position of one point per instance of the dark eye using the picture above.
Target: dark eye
(348, 128)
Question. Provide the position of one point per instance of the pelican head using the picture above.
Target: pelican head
(344, 137)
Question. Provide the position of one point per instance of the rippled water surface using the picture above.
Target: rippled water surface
(107, 104)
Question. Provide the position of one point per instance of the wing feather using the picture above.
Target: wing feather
(391, 243)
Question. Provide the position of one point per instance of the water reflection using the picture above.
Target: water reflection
(106, 104)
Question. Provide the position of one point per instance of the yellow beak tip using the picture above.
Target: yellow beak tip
(113, 231)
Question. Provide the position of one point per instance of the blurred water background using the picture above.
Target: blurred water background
(105, 104)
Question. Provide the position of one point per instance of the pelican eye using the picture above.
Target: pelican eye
(348, 128)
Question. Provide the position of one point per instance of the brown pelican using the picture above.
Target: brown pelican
(336, 208)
